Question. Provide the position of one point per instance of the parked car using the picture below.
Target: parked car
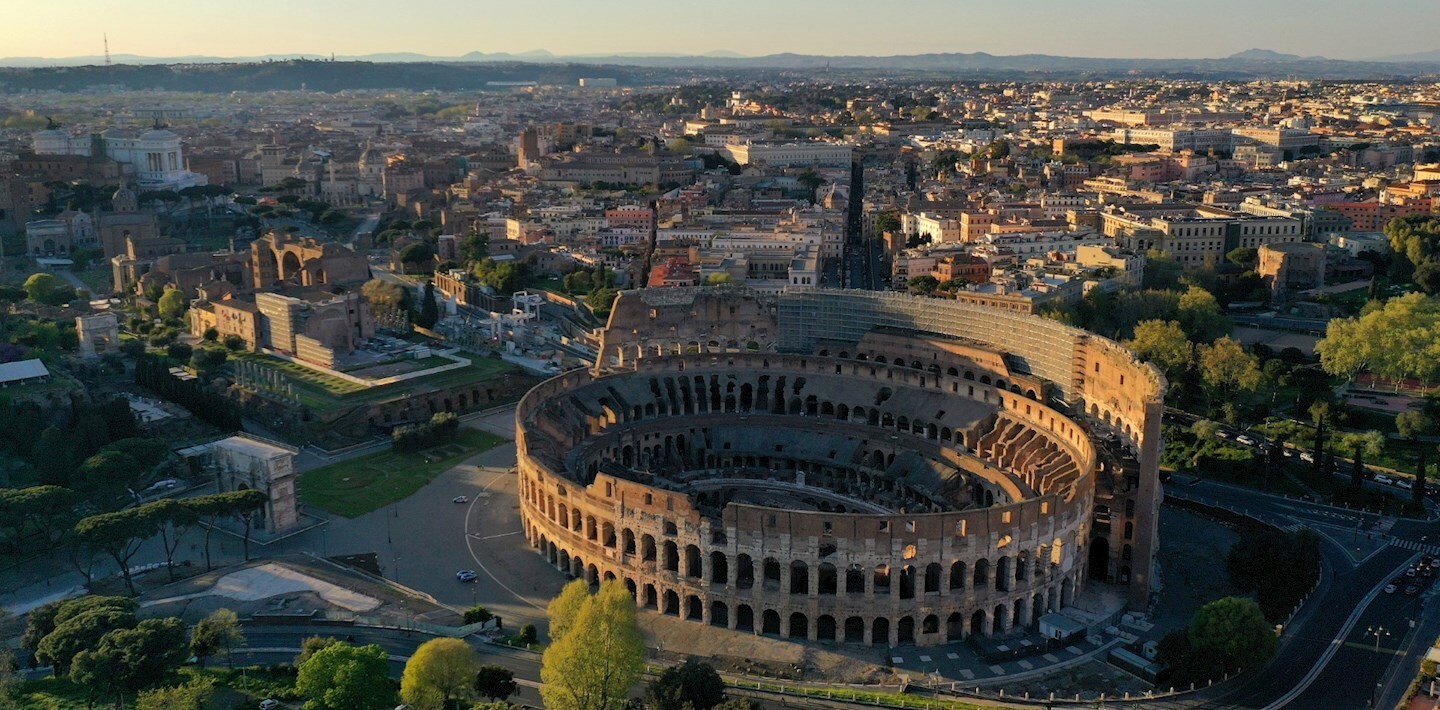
(1246, 440)
(1412, 590)
(1382, 478)
(1307, 457)
(1390, 589)
(466, 575)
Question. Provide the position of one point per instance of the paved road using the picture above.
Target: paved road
(1324, 662)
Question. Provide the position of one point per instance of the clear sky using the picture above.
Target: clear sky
(1097, 28)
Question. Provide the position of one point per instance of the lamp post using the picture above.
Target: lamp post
(1377, 632)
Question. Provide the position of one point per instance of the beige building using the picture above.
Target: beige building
(1290, 267)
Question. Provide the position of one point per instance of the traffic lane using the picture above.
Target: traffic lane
(1421, 637)
(1324, 617)
(1351, 678)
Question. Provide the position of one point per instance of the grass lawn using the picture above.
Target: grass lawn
(318, 390)
(358, 486)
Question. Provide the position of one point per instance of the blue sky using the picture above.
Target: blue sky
(1101, 28)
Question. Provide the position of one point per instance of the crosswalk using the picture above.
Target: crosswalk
(1416, 546)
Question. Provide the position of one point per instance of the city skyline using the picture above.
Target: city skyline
(1108, 28)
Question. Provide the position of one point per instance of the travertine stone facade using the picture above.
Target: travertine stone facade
(876, 483)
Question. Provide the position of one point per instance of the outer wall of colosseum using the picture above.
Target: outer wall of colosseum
(845, 466)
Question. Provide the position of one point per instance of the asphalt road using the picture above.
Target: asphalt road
(1330, 659)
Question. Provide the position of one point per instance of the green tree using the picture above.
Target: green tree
(925, 284)
(1205, 430)
(1280, 567)
(234, 343)
(565, 608)
(594, 664)
(1162, 271)
(216, 633)
(429, 313)
(495, 682)
(194, 694)
(119, 535)
(416, 254)
(1245, 257)
(1234, 630)
(48, 289)
(345, 677)
(385, 294)
(439, 675)
(130, 659)
(244, 505)
(312, 645)
(600, 301)
(693, 684)
(172, 303)
(80, 632)
(1163, 343)
(473, 247)
(887, 221)
(1200, 317)
(1398, 340)
(1411, 425)
(1226, 367)
(173, 519)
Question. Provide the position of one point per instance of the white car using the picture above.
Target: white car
(1307, 457)
(269, 704)
(1245, 440)
(1381, 478)
(460, 499)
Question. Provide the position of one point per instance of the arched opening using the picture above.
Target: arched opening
(997, 626)
(854, 630)
(744, 618)
(1099, 559)
(933, 572)
(827, 582)
(854, 580)
(694, 609)
(982, 574)
(880, 631)
(770, 622)
(671, 557)
(692, 562)
(719, 614)
(647, 548)
(799, 577)
(931, 625)
(907, 582)
(627, 539)
(881, 583)
(977, 623)
(954, 627)
(771, 580)
(825, 628)
(719, 570)
(905, 630)
(744, 572)
(957, 575)
(799, 626)
(649, 597)
(672, 603)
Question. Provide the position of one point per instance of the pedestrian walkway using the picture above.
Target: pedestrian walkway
(1416, 546)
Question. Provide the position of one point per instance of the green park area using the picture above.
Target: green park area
(320, 391)
(360, 485)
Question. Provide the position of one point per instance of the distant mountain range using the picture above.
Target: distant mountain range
(475, 69)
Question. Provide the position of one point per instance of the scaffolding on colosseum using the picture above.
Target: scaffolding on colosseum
(266, 382)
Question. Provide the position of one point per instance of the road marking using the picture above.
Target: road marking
(492, 537)
(470, 509)
(1337, 642)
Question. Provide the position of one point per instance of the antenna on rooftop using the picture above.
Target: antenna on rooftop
(107, 48)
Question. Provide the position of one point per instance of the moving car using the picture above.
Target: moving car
(460, 499)
(1412, 590)
(1390, 588)
(269, 704)
(466, 575)
(1246, 440)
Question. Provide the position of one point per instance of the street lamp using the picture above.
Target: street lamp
(1377, 632)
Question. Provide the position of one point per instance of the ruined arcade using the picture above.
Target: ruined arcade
(844, 465)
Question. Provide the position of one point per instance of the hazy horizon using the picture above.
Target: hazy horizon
(1162, 29)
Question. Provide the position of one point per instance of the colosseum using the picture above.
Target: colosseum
(845, 466)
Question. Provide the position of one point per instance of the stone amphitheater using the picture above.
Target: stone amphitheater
(845, 466)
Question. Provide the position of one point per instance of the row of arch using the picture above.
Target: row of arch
(798, 577)
(1023, 611)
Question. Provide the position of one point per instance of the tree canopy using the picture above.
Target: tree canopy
(441, 672)
(596, 661)
(1163, 343)
(1398, 340)
(693, 684)
(345, 677)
